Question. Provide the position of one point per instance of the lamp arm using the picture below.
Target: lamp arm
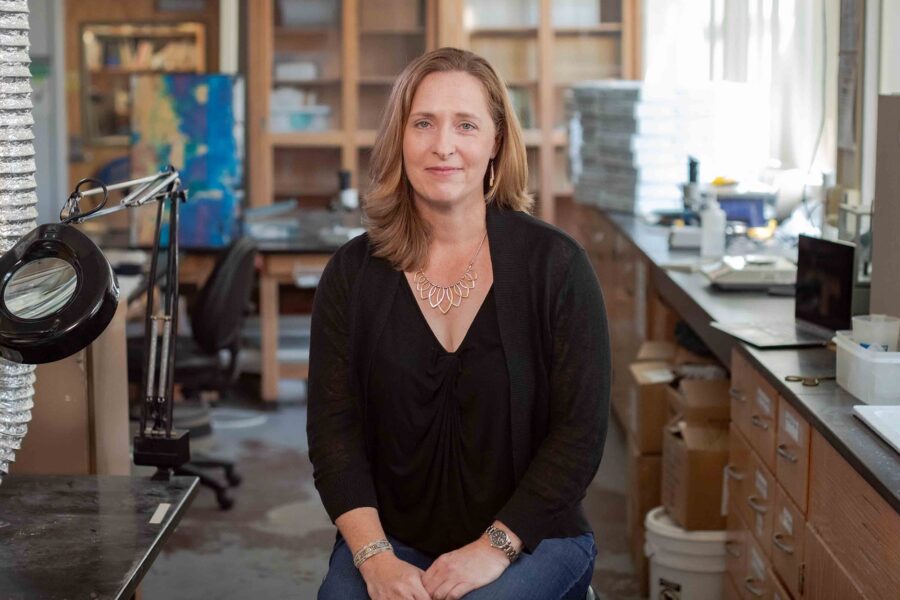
(152, 188)
(158, 381)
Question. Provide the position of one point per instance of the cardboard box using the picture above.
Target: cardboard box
(647, 412)
(693, 366)
(701, 401)
(79, 423)
(694, 457)
(649, 351)
(683, 357)
(655, 350)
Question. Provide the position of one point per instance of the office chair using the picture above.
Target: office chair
(215, 317)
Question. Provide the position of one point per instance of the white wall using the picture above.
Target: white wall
(50, 142)
(890, 47)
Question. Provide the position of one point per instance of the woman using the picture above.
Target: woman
(459, 366)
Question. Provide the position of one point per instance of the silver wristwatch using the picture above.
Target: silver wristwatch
(501, 541)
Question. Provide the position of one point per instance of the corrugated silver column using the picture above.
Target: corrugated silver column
(17, 204)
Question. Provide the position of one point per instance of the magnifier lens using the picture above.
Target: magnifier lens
(40, 288)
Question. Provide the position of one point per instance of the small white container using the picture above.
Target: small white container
(684, 564)
(877, 330)
(869, 375)
(300, 118)
(712, 231)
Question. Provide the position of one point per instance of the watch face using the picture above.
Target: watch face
(498, 538)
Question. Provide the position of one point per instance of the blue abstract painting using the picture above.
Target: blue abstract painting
(188, 121)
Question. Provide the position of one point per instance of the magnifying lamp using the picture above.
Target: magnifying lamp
(58, 293)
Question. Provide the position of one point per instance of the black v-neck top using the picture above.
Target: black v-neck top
(443, 465)
(552, 322)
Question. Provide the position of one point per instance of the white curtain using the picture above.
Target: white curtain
(762, 61)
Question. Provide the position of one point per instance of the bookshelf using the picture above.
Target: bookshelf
(112, 53)
(322, 72)
(540, 48)
(342, 60)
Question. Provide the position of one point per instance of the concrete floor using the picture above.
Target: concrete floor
(276, 541)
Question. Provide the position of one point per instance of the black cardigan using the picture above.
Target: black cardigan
(555, 338)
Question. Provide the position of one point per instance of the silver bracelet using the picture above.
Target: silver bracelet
(370, 550)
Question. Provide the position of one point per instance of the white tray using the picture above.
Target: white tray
(884, 420)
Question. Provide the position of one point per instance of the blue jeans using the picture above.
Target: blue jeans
(558, 569)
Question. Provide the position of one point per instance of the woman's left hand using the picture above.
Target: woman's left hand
(455, 574)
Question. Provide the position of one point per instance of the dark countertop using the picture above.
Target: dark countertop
(83, 536)
(828, 408)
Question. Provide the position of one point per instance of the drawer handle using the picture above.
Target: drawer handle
(733, 548)
(734, 473)
(778, 540)
(759, 422)
(755, 504)
(784, 453)
(756, 591)
(737, 394)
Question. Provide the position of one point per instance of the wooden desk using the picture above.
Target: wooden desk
(279, 261)
(84, 536)
(277, 268)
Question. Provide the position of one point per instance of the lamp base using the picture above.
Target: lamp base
(163, 452)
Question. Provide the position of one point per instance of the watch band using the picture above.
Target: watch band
(502, 543)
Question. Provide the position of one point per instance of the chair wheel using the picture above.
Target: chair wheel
(225, 500)
(234, 480)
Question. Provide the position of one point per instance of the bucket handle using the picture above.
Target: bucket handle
(733, 548)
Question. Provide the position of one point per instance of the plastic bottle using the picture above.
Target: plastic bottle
(712, 230)
(349, 197)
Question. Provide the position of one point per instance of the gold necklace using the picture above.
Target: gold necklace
(445, 297)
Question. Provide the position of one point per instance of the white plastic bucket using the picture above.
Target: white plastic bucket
(684, 565)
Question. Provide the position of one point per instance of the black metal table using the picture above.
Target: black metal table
(84, 536)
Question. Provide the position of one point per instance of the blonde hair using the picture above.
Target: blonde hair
(397, 231)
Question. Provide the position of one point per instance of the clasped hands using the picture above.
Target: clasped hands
(450, 577)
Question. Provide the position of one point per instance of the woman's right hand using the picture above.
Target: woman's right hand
(389, 578)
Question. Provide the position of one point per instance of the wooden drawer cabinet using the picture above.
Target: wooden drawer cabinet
(738, 468)
(754, 407)
(759, 582)
(741, 387)
(760, 421)
(788, 529)
(792, 453)
(825, 578)
(779, 592)
(731, 590)
(854, 522)
(736, 544)
(759, 500)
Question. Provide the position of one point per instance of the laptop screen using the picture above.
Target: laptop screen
(825, 273)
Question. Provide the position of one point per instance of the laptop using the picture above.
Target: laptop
(823, 302)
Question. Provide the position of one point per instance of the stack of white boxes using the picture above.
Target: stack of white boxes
(633, 147)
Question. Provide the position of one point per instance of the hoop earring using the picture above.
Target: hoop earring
(491, 180)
